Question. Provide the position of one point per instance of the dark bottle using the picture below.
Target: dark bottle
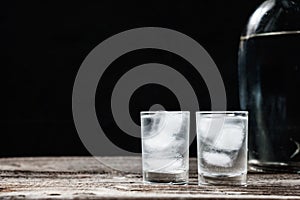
(269, 81)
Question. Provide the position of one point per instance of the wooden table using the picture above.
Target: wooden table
(87, 178)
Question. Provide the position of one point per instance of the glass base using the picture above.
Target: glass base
(162, 177)
(238, 180)
(274, 167)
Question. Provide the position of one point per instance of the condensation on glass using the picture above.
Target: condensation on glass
(222, 147)
(165, 146)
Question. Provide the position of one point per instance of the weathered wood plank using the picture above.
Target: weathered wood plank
(86, 178)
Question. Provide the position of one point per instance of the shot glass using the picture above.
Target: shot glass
(222, 139)
(165, 146)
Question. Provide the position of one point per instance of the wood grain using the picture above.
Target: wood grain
(87, 178)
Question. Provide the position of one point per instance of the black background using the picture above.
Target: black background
(43, 45)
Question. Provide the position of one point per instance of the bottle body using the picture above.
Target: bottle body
(269, 83)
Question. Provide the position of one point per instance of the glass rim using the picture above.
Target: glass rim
(162, 111)
(222, 112)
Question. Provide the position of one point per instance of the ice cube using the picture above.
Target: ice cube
(209, 128)
(203, 126)
(161, 132)
(230, 138)
(173, 123)
(151, 124)
(217, 159)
